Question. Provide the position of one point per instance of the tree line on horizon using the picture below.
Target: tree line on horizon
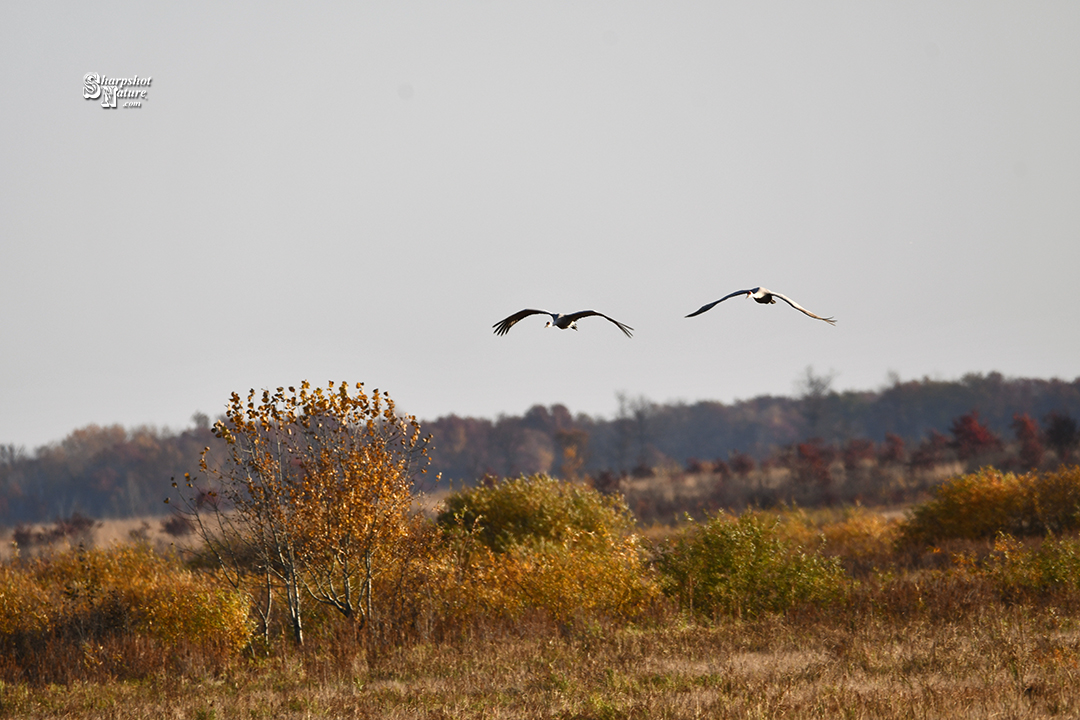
(113, 472)
(644, 434)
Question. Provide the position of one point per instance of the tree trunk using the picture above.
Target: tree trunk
(293, 599)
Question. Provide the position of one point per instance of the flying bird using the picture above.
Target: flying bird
(765, 297)
(557, 320)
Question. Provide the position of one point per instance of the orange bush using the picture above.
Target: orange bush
(982, 504)
(99, 605)
(535, 543)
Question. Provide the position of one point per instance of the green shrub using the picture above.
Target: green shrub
(745, 567)
(983, 504)
(1019, 570)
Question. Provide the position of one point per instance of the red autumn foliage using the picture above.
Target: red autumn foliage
(892, 450)
(971, 438)
(1031, 447)
(856, 451)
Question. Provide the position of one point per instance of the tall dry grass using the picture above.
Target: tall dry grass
(1004, 662)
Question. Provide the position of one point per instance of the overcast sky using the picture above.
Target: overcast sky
(359, 191)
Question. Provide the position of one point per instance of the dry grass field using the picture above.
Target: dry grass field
(843, 612)
(999, 662)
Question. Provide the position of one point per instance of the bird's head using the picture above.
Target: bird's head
(549, 324)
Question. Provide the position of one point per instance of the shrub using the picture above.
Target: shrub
(536, 508)
(745, 567)
(535, 543)
(177, 526)
(77, 529)
(982, 504)
(862, 539)
(125, 609)
(573, 581)
(23, 604)
(1019, 570)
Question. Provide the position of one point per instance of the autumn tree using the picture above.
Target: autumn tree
(573, 444)
(814, 391)
(892, 450)
(972, 438)
(634, 428)
(810, 464)
(741, 463)
(1027, 434)
(313, 495)
(858, 451)
(721, 468)
(1061, 435)
(931, 451)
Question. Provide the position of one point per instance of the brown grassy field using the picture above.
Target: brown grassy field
(999, 662)
(964, 626)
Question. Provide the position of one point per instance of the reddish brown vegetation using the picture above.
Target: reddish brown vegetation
(1030, 454)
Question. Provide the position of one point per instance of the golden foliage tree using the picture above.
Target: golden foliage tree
(313, 496)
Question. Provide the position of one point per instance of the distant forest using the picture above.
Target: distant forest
(644, 434)
(115, 472)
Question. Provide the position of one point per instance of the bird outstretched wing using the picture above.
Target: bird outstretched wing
(574, 317)
(503, 326)
(710, 306)
(800, 308)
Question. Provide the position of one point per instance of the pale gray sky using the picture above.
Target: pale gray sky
(359, 191)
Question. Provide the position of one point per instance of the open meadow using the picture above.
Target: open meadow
(539, 598)
(995, 661)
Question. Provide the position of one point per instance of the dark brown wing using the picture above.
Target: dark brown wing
(574, 317)
(503, 326)
(705, 308)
